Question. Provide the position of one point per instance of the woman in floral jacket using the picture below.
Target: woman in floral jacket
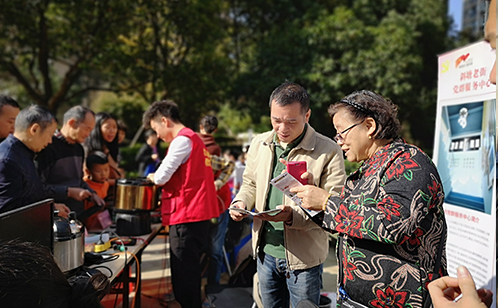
(389, 216)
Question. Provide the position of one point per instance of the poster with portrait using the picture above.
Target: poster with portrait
(465, 152)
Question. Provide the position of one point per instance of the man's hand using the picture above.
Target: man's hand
(218, 184)
(150, 177)
(312, 197)
(97, 200)
(236, 216)
(286, 214)
(79, 194)
(446, 289)
(63, 210)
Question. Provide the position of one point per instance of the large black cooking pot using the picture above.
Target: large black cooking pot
(135, 194)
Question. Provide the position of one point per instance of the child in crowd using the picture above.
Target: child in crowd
(148, 157)
(122, 130)
(97, 166)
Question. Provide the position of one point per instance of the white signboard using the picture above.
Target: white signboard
(465, 155)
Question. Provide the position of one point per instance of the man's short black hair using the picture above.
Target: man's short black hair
(165, 108)
(7, 100)
(289, 93)
(32, 278)
(210, 123)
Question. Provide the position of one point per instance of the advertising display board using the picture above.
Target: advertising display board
(465, 155)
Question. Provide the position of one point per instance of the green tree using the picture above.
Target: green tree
(204, 53)
(53, 48)
(178, 53)
(59, 50)
(336, 47)
(233, 121)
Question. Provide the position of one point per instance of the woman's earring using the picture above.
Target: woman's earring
(369, 137)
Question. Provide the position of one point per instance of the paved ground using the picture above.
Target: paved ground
(156, 283)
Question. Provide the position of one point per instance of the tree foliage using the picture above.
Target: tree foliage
(334, 48)
(205, 54)
(61, 49)
(176, 52)
(52, 48)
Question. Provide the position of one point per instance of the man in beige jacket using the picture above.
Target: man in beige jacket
(290, 247)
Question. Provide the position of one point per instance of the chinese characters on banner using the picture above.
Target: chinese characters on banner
(473, 80)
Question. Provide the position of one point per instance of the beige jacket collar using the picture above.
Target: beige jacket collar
(308, 143)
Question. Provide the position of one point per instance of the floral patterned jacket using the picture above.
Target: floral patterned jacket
(391, 225)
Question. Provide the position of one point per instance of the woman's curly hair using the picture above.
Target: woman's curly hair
(365, 103)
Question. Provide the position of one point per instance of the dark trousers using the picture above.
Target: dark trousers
(187, 242)
(217, 235)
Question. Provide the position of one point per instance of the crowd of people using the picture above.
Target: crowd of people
(388, 215)
(77, 165)
(389, 225)
(381, 215)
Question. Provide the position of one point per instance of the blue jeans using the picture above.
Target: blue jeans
(277, 284)
(217, 242)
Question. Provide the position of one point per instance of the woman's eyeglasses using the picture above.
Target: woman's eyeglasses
(340, 136)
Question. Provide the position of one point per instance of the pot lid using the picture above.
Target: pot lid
(139, 181)
(62, 229)
(67, 228)
(76, 226)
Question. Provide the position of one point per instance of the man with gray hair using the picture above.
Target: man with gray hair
(9, 109)
(19, 182)
(60, 164)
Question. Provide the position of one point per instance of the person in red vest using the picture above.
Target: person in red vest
(188, 198)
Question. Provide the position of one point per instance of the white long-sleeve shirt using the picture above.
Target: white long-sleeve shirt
(178, 153)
